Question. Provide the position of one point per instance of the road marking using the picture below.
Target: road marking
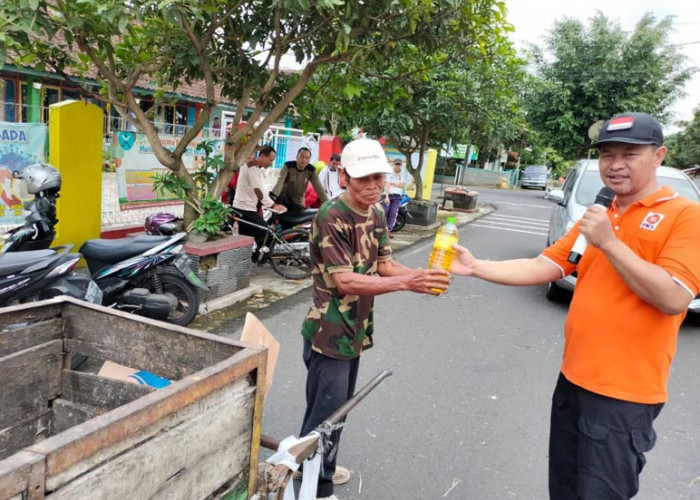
(538, 233)
(501, 216)
(522, 204)
(520, 224)
(513, 223)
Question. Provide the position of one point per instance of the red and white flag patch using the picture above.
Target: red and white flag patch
(651, 221)
(621, 123)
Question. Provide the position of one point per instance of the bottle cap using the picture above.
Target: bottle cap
(452, 220)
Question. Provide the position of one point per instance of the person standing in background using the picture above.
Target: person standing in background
(393, 191)
(291, 185)
(250, 196)
(216, 127)
(330, 176)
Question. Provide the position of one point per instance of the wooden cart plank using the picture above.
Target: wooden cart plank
(32, 334)
(25, 432)
(100, 392)
(67, 414)
(22, 476)
(30, 378)
(30, 313)
(78, 449)
(166, 351)
(187, 461)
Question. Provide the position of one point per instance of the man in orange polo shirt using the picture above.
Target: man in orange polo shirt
(635, 281)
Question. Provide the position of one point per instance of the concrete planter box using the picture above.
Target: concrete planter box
(223, 264)
(423, 213)
(461, 200)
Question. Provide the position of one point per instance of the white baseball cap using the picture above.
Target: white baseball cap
(363, 157)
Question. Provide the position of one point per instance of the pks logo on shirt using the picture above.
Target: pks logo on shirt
(651, 221)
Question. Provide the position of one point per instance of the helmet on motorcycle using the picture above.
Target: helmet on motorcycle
(40, 177)
(161, 223)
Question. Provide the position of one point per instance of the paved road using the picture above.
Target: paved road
(465, 415)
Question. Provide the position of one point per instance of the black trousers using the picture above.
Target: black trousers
(597, 444)
(329, 383)
(248, 230)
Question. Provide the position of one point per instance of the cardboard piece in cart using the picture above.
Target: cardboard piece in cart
(126, 374)
(254, 332)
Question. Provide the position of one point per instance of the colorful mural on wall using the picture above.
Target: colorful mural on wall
(21, 144)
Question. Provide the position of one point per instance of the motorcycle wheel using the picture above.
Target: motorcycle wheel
(400, 222)
(288, 261)
(173, 283)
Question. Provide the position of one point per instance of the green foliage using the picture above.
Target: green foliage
(211, 212)
(590, 73)
(465, 89)
(214, 214)
(234, 48)
(684, 146)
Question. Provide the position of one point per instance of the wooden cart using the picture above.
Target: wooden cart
(68, 434)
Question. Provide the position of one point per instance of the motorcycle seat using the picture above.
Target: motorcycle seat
(289, 219)
(111, 251)
(13, 262)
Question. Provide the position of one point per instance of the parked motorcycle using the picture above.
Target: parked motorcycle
(402, 215)
(37, 233)
(41, 274)
(44, 274)
(147, 275)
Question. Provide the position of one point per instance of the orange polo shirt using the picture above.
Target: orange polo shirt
(615, 344)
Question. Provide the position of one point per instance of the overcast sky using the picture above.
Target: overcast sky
(533, 19)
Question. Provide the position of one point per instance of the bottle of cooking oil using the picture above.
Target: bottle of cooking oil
(442, 254)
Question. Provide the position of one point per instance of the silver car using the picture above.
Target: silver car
(534, 176)
(578, 192)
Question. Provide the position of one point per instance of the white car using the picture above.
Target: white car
(578, 192)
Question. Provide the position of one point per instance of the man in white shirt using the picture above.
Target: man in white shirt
(252, 195)
(393, 191)
(330, 177)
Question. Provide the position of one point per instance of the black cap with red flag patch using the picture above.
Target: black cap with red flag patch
(631, 128)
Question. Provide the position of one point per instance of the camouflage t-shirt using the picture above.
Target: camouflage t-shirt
(344, 239)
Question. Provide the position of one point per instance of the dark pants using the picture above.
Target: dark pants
(287, 201)
(329, 383)
(248, 230)
(392, 209)
(597, 444)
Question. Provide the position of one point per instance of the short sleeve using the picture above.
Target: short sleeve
(679, 255)
(559, 251)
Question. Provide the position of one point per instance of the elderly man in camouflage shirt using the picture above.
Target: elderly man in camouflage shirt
(352, 263)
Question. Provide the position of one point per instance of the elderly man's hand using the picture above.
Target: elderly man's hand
(430, 281)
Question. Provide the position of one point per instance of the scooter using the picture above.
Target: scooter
(37, 233)
(42, 274)
(402, 215)
(147, 275)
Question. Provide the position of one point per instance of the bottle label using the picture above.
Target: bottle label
(444, 241)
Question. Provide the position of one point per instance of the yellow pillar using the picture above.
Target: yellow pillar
(75, 148)
(429, 174)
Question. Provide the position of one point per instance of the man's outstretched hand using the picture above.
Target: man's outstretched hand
(464, 263)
